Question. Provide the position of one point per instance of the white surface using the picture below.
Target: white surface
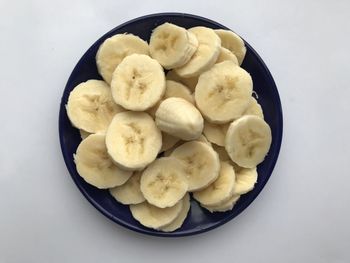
(301, 216)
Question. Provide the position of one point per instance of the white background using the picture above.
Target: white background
(303, 213)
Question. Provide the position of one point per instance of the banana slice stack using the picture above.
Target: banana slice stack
(151, 138)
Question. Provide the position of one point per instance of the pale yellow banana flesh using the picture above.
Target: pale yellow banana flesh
(226, 54)
(220, 190)
(172, 46)
(130, 192)
(178, 90)
(155, 217)
(173, 90)
(91, 107)
(163, 183)
(204, 139)
(188, 82)
(138, 82)
(246, 178)
(223, 93)
(226, 206)
(223, 155)
(254, 108)
(232, 42)
(114, 49)
(168, 141)
(215, 133)
(206, 54)
(177, 223)
(201, 161)
(94, 165)
(133, 140)
(179, 118)
(248, 140)
(168, 152)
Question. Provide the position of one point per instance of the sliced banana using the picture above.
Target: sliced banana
(226, 206)
(172, 46)
(223, 93)
(138, 82)
(246, 178)
(232, 42)
(188, 82)
(130, 192)
(223, 155)
(168, 141)
(254, 108)
(155, 217)
(164, 182)
(179, 118)
(83, 134)
(220, 190)
(94, 165)
(226, 54)
(178, 90)
(202, 163)
(114, 49)
(202, 138)
(206, 54)
(215, 133)
(173, 89)
(91, 107)
(133, 140)
(248, 140)
(177, 223)
(236, 167)
(168, 152)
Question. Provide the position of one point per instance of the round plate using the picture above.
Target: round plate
(198, 220)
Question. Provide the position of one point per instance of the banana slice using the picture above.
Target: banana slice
(155, 217)
(202, 163)
(215, 133)
(91, 107)
(177, 223)
(248, 140)
(232, 42)
(114, 49)
(223, 93)
(236, 167)
(94, 165)
(188, 82)
(172, 46)
(164, 182)
(202, 138)
(179, 118)
(138, 82)
(168, 152)
(245, 181)
(226, 54)
(226, 206)
(178, 90)
(220, 190)
(130, 192)
(83, 134)
(206, 54)
(223, 156)
(254, 108)
(173, 89)
(168, 141)
(133, 140)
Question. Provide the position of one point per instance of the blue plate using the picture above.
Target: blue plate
(198, 220)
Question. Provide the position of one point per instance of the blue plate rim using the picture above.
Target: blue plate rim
(278, 136)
